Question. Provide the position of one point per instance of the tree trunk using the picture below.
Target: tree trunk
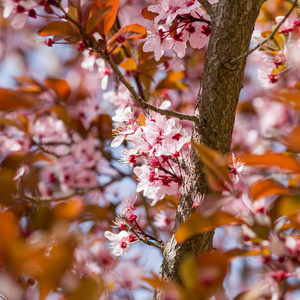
(231, 29)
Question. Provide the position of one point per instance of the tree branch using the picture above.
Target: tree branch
(144, 239)
(145, 105)
(145, 203)
(141, 101)
(207, 6)
(230, 63)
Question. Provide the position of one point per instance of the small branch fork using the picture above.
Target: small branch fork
(234, 60)
(207, 6)
(145, 105)
(141, 101)
(145, 238)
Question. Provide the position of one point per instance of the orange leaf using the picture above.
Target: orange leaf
(57, 28)
(36, 155)
(62, 114)
(266, 188)
(293, 141)
(59, 86)
(110, 18)
(133, 31)
(213, 160)
(285, 206)
(129, 64)
(290, 97)
(196, 270)
(142, 119)
(97, 18)
(11, 100)
(68, 210)
(215, 183)
(233, 253)
(172, 81)
(284, 161)
(197, 223)
(10, 122)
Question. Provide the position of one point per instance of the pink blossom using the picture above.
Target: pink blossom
(197, 200)
(162, 220)
(19, 11)
(119, 242)
(156, 42)
(154, 183)
(169, 9)
(128, 275)
(191, 24)
(120, 223)
(121, 99)
(89, 62)
(128, 209)
(238, 169)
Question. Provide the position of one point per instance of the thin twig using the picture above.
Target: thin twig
(207, 6)
(292, 2)
(145, 203)
(143, 239)
(232, 61)
(141, 101)
(145, 105)
(77, 191)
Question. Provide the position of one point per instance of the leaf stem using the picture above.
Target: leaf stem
(234, 60)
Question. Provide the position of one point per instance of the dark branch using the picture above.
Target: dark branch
(144, 239)
(207, 6)
(141, 101)
(90, 41)
(231, 62)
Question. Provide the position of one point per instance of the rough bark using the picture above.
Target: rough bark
(231, 29)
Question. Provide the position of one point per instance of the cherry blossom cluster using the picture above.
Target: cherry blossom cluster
(131, 231)
(158, 143)
(120, 242)
(277, 249)
(176, 22)
(95, 260)
(19, 10)
(281, 54)
(90, 60)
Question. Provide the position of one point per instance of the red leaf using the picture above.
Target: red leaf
(148, 14)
